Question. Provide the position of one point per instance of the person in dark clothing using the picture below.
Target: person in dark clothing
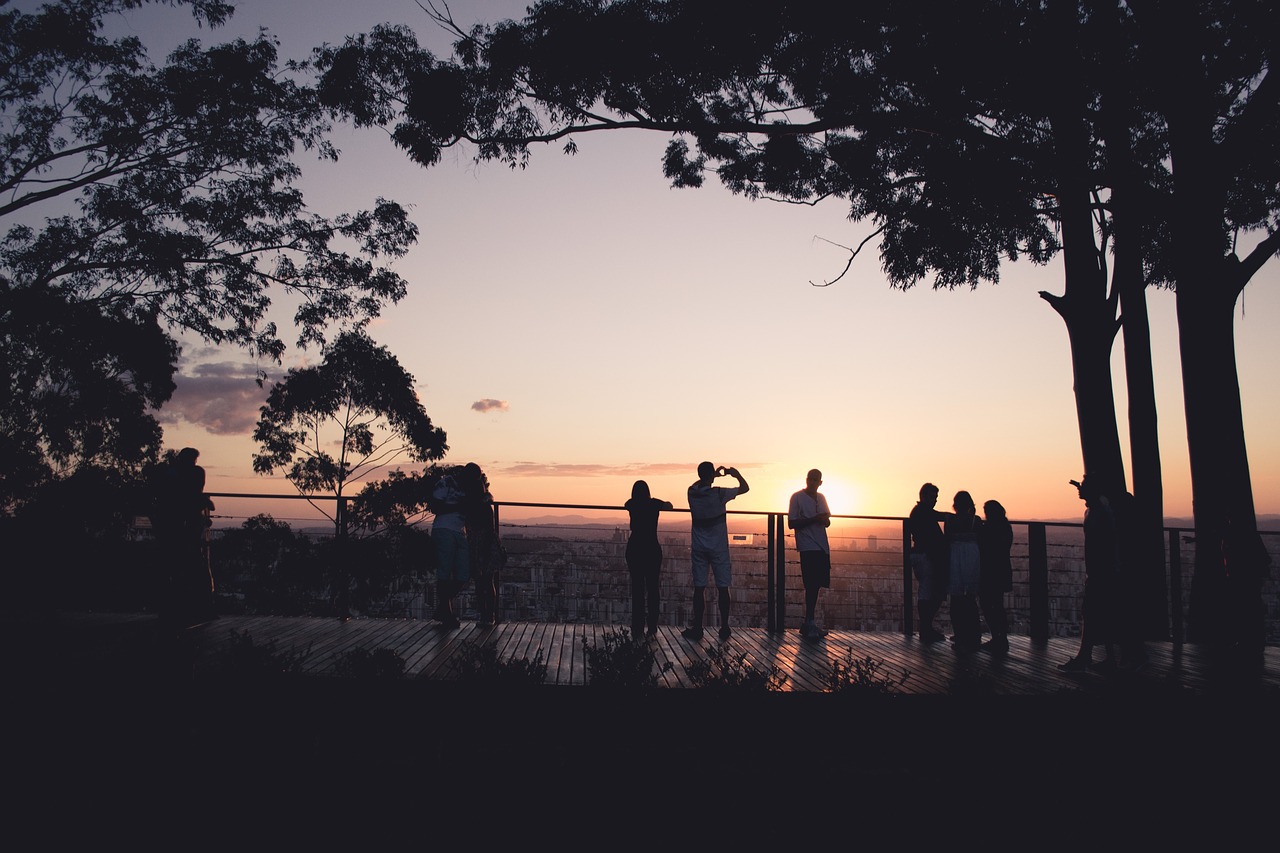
(180, 519)
(484, 550)
(928, 560)
(1101, 578)
(644, 558)
(995, 540)
(964, 567)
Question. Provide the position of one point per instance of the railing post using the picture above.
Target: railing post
(1038, 563)
(908, 609)
(769, 616)
(1175, 585)
(780, 600)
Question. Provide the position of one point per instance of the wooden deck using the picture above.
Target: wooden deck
(429, 652)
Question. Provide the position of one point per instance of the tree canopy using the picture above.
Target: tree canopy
(333, 424)
(1137, 138)
(139, 200)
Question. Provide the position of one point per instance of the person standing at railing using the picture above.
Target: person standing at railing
(928, 560)
(709, 547)
(964, 571)
(644, 558)
(180, 518)
(995, 541)
(1098, 610)
(809, 516)
(483, 548)
(449, 541)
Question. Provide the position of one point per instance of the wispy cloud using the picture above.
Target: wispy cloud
(633, 469)
(489, 405)
(223, 397)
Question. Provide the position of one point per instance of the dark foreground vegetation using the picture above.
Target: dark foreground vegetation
(136, 731)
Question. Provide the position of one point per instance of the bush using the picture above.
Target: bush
(622, 662)
(725, 670)
(853, 676)
(364, 664)
(242, 658)
(479, 664)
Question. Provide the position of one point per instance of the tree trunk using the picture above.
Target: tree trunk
(1208, 286)
(1128, 210)
(1221, 488)
(1084, 305)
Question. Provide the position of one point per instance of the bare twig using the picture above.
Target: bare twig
(853, 253)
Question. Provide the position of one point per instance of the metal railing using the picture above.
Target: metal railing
(576, 572)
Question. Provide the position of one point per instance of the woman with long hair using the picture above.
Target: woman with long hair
(644, 558)
(995, 539)
(482, 542)
(962, 530)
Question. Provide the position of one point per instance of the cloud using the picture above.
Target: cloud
(633, 469)
(222, 397)
(489, 405)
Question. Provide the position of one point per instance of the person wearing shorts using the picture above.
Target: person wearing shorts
(709, 546)
(809, 516)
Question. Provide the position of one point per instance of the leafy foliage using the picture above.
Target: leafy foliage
(727, 670)
(269, 569)
(479, 664)
(379, 664)
(361, 392)
(244, 659)
(401, 499)
(139, 199)
(856, 676)
(622, 662)
(957, 160)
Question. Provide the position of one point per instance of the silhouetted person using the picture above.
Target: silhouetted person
(809, 516)
(644, 558)
(709, 548)
(484, 550)
(181, 522)
(929, 555)
(449, 539)
(995, 541)
(1101, 577)
(964, 571)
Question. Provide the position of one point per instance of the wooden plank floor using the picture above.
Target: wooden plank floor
(428, 651)
(84, 643)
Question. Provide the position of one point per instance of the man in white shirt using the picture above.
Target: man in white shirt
(710, 543)
(809, 516)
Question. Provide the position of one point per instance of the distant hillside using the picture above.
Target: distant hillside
(681, 520)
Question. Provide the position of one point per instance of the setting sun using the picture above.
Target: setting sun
(843, 497)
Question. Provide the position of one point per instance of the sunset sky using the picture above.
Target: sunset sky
(580, 325)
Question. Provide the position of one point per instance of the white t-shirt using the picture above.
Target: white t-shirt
(706, 504)
(812, 537)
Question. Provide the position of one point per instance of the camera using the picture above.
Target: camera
(722, 471)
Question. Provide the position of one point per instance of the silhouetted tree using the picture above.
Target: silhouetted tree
(1057, 137)
(359, 404)
(959, 158)
(139, 199)
(1209, 64)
